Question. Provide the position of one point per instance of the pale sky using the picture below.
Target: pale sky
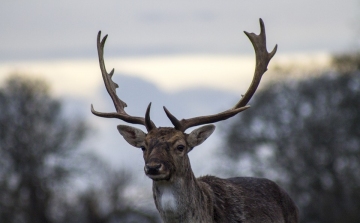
(170, 73)
(32, 30)
(173, 44)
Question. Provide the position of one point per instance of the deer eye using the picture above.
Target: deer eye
(143, 148)
(180, 148)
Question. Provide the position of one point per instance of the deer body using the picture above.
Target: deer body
(178, 195)
(213, 200)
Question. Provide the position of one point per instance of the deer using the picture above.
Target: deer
(178, 195)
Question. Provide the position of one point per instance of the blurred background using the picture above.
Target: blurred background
(60, 163)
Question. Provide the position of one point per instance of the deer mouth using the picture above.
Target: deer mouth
(158, 177)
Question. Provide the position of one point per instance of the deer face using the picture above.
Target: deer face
(165, 150)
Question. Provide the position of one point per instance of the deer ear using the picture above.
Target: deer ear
(199, 135)
(133, 136)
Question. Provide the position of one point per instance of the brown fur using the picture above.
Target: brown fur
(180, 197)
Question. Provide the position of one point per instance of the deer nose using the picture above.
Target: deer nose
(152, 167)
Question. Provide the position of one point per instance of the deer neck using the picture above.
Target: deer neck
(181, 199)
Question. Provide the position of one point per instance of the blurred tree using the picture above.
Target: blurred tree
(111, 196)
(104, 200)
(347, 62)
(35, 140)
(306, 135)
(38, 158)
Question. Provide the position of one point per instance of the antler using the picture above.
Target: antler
(262, 60)
(111, 89)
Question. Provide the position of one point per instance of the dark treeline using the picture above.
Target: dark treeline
(40, 161)
(305, 134)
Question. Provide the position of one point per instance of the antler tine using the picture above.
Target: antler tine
(187, 123)
(262, 60)
(111, 89)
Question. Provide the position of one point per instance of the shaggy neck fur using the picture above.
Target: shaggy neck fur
(181, 200)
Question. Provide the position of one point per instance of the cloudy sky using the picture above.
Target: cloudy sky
(37, 29)
(174, 45)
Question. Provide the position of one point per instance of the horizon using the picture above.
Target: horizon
(171, 74)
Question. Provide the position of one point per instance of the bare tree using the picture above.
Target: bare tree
(39, 160)
(104, 198)
(306, 134)
(35, 140)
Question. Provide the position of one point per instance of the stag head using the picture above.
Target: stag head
(165, 149)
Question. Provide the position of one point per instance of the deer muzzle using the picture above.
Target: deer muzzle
(156, 170)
